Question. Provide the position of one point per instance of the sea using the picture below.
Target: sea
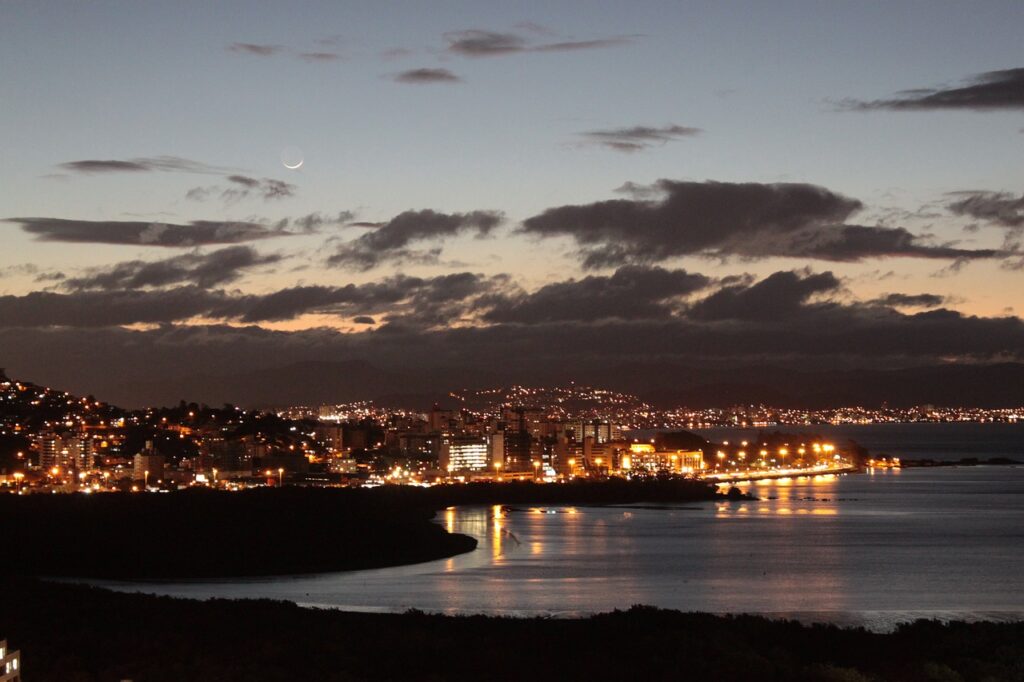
(868, 549)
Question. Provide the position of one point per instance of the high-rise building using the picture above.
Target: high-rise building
(462, 453)
(601, 431)
(71, 450)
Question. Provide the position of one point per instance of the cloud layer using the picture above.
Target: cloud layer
(721, 219)
(141, 233)
(203, 270)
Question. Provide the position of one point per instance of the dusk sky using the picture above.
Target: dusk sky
(195, 188)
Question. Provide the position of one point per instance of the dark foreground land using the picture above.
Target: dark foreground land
(70, 633)
(201, 533)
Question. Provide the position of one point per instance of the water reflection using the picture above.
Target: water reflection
(939, 541)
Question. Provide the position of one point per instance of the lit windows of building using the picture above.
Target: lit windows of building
(644, 456)
(464, 454)
(10, 663)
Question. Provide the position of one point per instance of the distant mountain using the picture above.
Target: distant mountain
(998, 385)
(313, 383)
(660, 384)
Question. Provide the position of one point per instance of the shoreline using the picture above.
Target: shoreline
(266, 533)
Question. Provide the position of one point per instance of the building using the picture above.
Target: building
(464, 453)
(644, 457)
(10, 663)
(601, 431)
(64, 450)
(148, 466)
(330, 436)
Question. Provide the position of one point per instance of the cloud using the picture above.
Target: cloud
(127, 294)
(911, 300)
(140, 233)
(457, 325)
(170, 164)
(425, 76)
(389, 241)
(105, 308)
(636, 138)
(718, 219)
(312, 56)
(202, 270)
(243, 186)
(778, 296)
(479, 43)
(255, 49)
(985, 92)
(998, 208)
(319, 56)
(632, 292)
(176, 358)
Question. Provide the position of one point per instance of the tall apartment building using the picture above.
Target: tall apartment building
(72, 450)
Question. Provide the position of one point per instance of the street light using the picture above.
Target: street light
(18, 476)
(146, 474)
(280, 477)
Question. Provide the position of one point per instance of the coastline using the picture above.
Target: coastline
(274, 532)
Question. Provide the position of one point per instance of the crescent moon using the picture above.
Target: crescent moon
(296, 166)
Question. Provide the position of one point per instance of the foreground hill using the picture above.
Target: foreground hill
(71, 633)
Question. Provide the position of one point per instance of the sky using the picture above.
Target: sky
(503, 192)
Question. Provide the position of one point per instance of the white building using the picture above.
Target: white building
(464, 454)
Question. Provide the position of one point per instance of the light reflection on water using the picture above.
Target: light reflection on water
(871, 548)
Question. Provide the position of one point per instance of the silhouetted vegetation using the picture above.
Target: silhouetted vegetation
(202, 533)
(78, 634)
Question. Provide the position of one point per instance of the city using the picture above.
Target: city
(54, 441)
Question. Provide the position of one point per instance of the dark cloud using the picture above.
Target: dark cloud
(911, 300)
(363, 319)
(203, 270)
(632, 292)
(998, 208)
(105, 308)
(478, 43)
(390, 241)
(851, 243)
(243, 186)
(426, 76)
(139, 233)
(255, 49)
(720, 219)
(124, 295)
(987, 91)
(778, 296)
(192, 360)
(636, 138)
(172, 164)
